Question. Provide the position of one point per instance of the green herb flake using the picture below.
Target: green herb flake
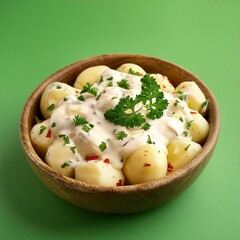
(81, 98)
(176, 102)
(58, 87)
(65, 99)
(42, 129)
(86, 128)
(102, 146)
(110, 84)
(51, 107)
(66, 164)
(79, 120)
(205, 104)
(53, 125)
(185, 133)
(73, 149)
(123, 84)
(187, 147)
(181, 119)
(120, 135)
(115, 97)
(189, 124)
(89, 89)
(149, 140)
(101, 79)
(146, 126)
(134, 73)
(110, 78)
(65, 138)
(126, 143)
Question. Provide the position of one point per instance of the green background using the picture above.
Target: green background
(39, 37)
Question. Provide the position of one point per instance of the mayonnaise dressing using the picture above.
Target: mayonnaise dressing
(161, 132)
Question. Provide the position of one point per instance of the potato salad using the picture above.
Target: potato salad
(117, 127)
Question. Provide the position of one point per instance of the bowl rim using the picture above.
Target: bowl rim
(208, 146)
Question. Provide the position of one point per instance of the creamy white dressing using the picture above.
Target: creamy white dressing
(161, 132)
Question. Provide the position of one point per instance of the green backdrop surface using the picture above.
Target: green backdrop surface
(39, 37)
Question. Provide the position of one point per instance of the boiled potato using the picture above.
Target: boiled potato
(163, 82)
(41, 137)
(127, 67)
(199, 128)
(147, 163)
(59, 157)
(99, 173)
(192, 94)
(51, 95)
(181, 152)
(91, 75)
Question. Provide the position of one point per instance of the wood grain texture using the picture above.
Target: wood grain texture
(126, 199)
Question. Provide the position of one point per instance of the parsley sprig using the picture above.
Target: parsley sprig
(89, 89)
(127, 111)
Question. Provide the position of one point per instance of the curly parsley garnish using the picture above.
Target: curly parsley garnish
(126, 112)
(89, 89)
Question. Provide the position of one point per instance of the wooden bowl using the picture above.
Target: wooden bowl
(125, 199)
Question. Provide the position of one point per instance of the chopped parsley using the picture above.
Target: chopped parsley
(149, 140)
(205, 104)
(189, 124)
(187, 147)
(151, 97)
(181, 96)
(81, 98)
(42, 129)
(176, 102)
(120, 135)
(123, 84)
(79, 120)
(66, 164)
(65, 99)
(86, 128)
(89, 89)
(101, 79)
(110, 84)
(146, 126)
(65, 138)
(102, 146)
(115, 97)
(185, 133)
(51, 107)
(134, 73)
(58, 87)
(181, 119)
(53, 125)
(110, 78)
(73, 149)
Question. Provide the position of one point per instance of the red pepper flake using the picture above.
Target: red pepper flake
(107, 160)
(164, 86)
(77, 91)
(170, 167)
(119, 183)
(49, 134)
(169, 81)
(92, 157)
(193, 112)
(147, 165)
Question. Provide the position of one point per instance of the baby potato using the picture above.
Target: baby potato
(99, 173)
(199, 128)
(131, 67)
(51, 95)
(91, 75)
(147, 163)
(41, 137)
(59, 158)
(194, 96)
(181, 152)
(164, 83)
